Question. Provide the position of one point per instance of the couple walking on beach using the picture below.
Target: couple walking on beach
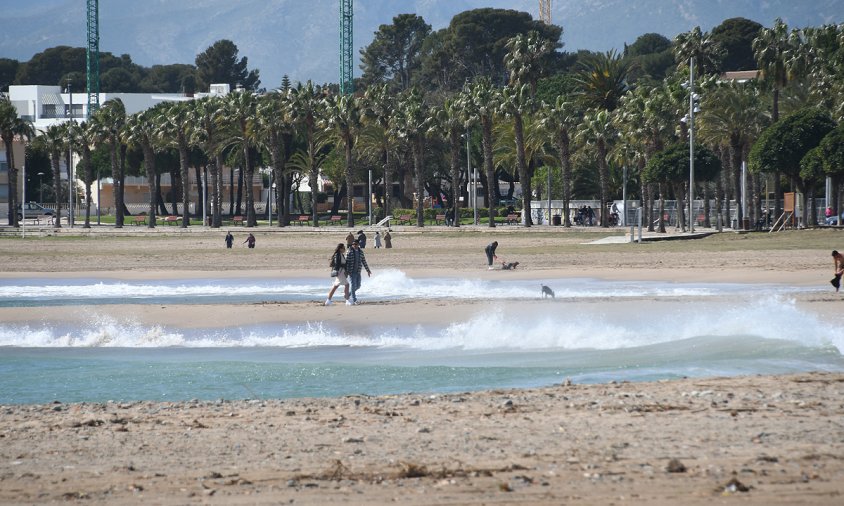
(346, 269)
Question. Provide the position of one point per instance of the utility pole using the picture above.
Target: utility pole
(347, 82)
(92, 57)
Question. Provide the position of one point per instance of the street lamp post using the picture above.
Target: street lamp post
(70, 191)
(691, 143)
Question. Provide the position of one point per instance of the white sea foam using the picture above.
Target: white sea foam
(563, 326)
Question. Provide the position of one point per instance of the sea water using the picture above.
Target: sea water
(594, 331)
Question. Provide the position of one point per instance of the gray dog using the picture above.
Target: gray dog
(547, 292)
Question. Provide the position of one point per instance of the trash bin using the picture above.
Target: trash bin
(745, 223)
(557, 220)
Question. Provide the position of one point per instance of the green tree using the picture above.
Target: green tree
(516, 104)
(109, 122)
(527, 59)
(142, 130)
(379, 109)
(306, 107)
(481, 101)
(175, 78)
(474, 45)
(412, 122)
(735, 36)
(598, 131)
(83, 138)
(274, 129)
(773, 48)
(448, 121)
(205, 118)
(601, 80)
(240, 112)
(701, 46)
(395, 54)
(12, 126)
(650, 57)
(782, 146)
(54, 141)
(560, 121)
(344, 116)
(220, 64)
(8, 70)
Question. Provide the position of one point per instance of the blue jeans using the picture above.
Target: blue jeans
(354, 282)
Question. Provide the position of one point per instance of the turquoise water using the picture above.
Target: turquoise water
(594, 332)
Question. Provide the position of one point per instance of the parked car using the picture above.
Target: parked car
(32, 210)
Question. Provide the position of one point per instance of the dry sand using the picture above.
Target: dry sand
(756, 440)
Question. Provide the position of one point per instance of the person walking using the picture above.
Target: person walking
(355, 262)
(349, 239)
(838, 261)
(338, 270)
(388, 240)
(377, 240)
(490, 253)
(229, 240)
(362, 239)
(250, 241)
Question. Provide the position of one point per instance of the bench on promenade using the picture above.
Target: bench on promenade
(439, 219)
(303, 219)
(335, 220)
(404, 219)
(237, 220)
(172, 220)
(512, 219)
(140, 219)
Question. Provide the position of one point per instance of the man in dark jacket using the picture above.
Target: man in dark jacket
(355, 262)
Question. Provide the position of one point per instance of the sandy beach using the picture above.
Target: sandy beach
(750, 439)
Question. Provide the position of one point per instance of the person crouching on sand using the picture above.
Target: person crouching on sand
(838, 260)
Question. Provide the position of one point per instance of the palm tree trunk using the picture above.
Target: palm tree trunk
(563, 148)
(604, 174)
(523, 169)
(249, 165)
(486, 128)
(13, 181)
(57, 187)
(149, 165)
(388, 183)
(456, 146)
(418, 169)
(735, 163)
(350, 216)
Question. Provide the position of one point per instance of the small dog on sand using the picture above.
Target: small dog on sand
(547, 292)
(507, 266)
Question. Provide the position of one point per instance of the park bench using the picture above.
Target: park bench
(335, 220)
(237, 220)
(303, 220)
(139, 220)
(172, 220)
(439, 219)
(512, 219)
(404, 219)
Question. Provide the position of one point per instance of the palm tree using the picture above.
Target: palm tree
(526, 59)
(240, 113)
(109, 122)
(560, 121)
(448, 121)
(83, 138)
(54, 142)
(412, 123)
(597, 131)
(344, 116)
(773, 48)
(142, 130)
(12, 126)
(601, 80)
(174, 131)
(274, 130)
(204, 119)
(306, 107)
(699, 45)
(379, 107)
(481, 101)
(516, 104)
(732, 113)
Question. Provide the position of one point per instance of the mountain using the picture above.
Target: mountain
(300, 38)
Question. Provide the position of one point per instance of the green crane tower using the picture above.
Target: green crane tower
(347, 83)
(92, 57)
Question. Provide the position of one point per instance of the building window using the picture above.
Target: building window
(49, 111)
(3, 167)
